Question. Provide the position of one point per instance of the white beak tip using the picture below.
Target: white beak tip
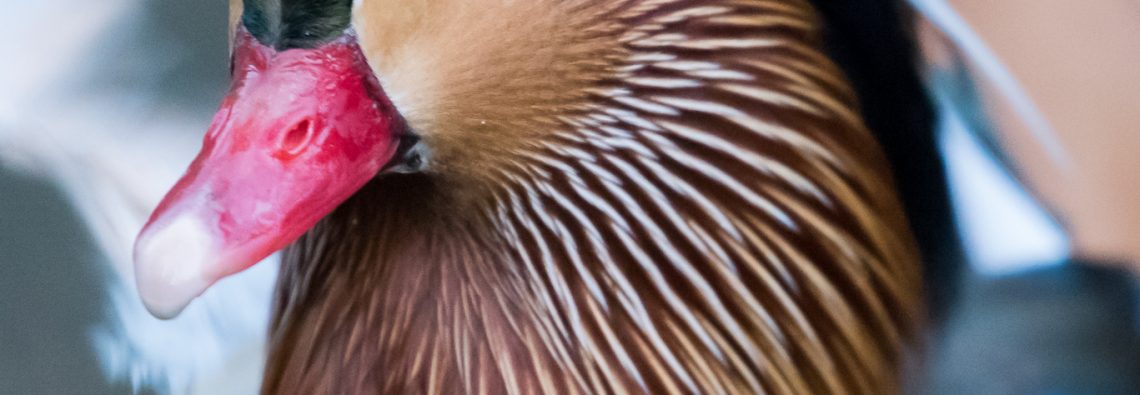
(171, 262)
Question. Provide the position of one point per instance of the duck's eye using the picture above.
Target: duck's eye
(413, 155)
(415, 160)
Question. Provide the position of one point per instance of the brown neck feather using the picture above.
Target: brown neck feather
(397, 293)
(704, 212)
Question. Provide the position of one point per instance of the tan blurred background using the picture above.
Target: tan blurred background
(1080, 62)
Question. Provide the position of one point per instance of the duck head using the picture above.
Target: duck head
(304, 126)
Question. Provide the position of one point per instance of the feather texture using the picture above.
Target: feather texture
(640, 196)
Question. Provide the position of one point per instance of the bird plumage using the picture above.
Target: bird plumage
(687, 201)
(622, 196)
(147, 359)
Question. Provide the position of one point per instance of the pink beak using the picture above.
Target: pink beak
(299, 133)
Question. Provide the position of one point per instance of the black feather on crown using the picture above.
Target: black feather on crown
(286, 24)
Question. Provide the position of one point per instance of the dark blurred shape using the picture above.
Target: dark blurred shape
(1064, 330)
(872, 41)
(53, 294)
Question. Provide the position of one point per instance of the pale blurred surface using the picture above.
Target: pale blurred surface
(1080, 62)
(115, 73)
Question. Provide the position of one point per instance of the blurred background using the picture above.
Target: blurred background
(114, 69)
(1018, 169)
